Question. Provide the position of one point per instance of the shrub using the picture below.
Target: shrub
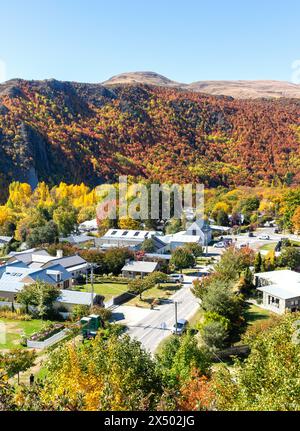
(6, 313)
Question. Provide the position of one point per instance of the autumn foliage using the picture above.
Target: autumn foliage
(78, 132)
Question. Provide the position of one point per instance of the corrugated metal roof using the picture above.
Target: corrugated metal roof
(77, 298)
(140, 266)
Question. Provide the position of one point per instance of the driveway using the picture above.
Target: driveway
(150, 327)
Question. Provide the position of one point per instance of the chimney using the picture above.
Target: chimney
(59, 253)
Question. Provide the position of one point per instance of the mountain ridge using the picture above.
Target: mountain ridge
(76, 132)
(241, 89)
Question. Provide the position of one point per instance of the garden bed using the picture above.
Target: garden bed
(47, 332)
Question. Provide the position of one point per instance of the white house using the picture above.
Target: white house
(280, 290)
(70, 298)
(126, 238)
(138, 268)
(197, 232)
(88, 226)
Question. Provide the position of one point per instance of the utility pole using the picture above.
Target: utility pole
(92, 286)
(176, 304)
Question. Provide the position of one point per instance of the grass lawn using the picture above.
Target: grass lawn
(15, 329)
(164, 291)
(255, 314)
(268, 247)
(107, 289)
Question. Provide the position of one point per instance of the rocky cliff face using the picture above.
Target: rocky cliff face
(62, 131)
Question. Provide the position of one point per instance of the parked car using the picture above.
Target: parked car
(181, 327)
(220, 245)
(264, 237)
(177, 278)
(243, 245)
(251, 235)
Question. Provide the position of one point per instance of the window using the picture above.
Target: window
(136, 233)
(274, 302)
(125, 233)
(114, 232)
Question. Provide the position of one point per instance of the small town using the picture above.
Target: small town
(149, 212)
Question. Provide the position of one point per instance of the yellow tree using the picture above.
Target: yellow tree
(129, 223)
(296, 220)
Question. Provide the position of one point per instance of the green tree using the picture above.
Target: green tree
(234, 262)
(39, 295)
(65, 219)
(290, 257)
(194, 248)
(258, 263)
(17, 361)
(47, 234)
(219, 297)
(139, 285)
(214, 335)
(115, 258)
(148, 246)
(179, 356)
(182, 258)
(267, 380)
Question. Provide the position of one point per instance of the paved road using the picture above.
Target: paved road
(157, 325)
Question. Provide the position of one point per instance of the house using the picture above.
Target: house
(280, 290)
(37, 258)
(74, 264)
(133, 269)
(221, 229)
(126, 238)
(196, 233)
(78, 239)
(16, 276)
(88, 226)
(4, 240)
(70, 298)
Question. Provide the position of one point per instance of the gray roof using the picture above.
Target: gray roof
(74, 297)
(5, 238)
(77, 239)
(140, 266)
(282, 277)
(280, 292)
(67, 262)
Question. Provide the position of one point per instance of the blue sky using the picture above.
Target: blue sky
(186, 40)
